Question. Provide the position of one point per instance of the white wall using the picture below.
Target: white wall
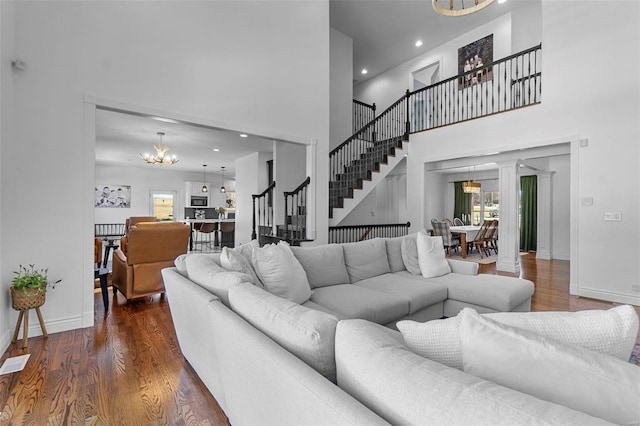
(289, 171)
(252, 177)
(6, 134)
(145, 179)
(341, 95)
(582, 104)
(241, 64)
(388, 87)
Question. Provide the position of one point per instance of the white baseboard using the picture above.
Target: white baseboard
(607, 295)
(5, 340)
(54, 326)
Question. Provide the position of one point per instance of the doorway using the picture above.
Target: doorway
(423, 111)
(162, 204)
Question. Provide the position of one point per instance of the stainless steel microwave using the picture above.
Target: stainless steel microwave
(198, 201)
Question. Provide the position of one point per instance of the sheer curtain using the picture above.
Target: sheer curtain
(529, 213)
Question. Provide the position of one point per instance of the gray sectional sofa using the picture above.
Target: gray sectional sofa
(337, 358)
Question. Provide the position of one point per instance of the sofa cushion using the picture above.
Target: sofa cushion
(204, 270)
(583, 380)
(181, 261)
(353, 301)
(324, 265)
(307, 333)
(431, 258)
(234, 260)
(409, 251)
(418, 293)
(497, 292)
(281, 273)
(394, 253)
(366, 259)
(611, 332)
(313, 305)
(406, 389)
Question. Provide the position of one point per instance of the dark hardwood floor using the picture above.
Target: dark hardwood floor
(128, 369)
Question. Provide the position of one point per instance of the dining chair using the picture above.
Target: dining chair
(448, 221)
(479, 241)
(492, 236)
(457, 221)
(442, 229)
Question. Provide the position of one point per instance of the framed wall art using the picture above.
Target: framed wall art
(116, 196)
(473, 61)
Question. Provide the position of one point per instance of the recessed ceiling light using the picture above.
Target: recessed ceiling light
(216, 149)
(166, 120)
(364, 71)
(242, 135)
(501, 1)
(418, 43)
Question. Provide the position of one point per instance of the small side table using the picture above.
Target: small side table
(111, 244)
(24, 313)
(102, 274)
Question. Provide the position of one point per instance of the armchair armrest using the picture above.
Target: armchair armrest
(463, 267)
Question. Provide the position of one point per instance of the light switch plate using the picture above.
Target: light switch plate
(612, 216)
(587, 201)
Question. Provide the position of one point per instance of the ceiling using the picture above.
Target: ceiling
(383, 33)
(121, 138)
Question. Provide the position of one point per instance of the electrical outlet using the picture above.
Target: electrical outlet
(613, 216)
(635, 287)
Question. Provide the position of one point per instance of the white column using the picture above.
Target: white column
(543, 244)
(509, 232)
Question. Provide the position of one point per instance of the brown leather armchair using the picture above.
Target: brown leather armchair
(152, 246)
(97, 252)
(132, 221)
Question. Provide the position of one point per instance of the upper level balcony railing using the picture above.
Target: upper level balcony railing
(509, 83)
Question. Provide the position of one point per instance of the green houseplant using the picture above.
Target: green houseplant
(220, 211)
(29, 287)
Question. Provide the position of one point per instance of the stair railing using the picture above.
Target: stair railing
(363, 113)
(263, 213)
(353, 233)
(295, 212)
(503, 85)
(391, 123)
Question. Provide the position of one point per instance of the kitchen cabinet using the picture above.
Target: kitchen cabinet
(193, 189)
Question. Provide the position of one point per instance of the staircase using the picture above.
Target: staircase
(363, 160)
(362, 176)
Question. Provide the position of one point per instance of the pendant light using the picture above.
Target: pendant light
(222, 188)
(204, 179)
(471, 187)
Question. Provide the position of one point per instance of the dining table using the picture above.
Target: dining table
(465, 233)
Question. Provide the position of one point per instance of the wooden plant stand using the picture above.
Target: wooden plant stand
(23, 303)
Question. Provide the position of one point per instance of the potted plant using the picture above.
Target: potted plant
(29, 287)
(220, 211)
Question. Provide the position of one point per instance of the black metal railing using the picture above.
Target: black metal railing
(503, 85)
(295, 213)
(263, 214)
(109, 230)
(353, 233)
(509, 83)
(362, 114)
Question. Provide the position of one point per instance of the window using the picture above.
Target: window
(486, 205)
(163, 205)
